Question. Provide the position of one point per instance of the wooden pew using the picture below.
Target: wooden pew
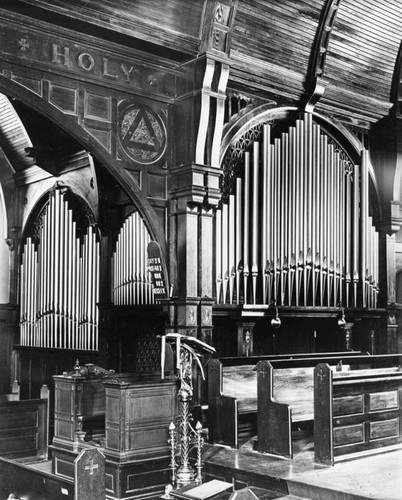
(24, 427)
(232, 394)
(286, 395)
(357, 412)
(14, 395)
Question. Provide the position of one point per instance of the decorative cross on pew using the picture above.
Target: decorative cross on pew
(89, 472)
(91, 467)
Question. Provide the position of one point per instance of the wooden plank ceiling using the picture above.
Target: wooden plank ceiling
(272, 44)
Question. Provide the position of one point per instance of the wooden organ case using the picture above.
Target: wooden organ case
(295, 230)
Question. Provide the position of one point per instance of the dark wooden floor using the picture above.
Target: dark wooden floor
(376, 477)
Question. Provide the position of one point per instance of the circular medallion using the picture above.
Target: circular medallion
(142, 134)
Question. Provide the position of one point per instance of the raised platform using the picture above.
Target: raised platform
(376, 477)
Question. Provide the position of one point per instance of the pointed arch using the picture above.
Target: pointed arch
(69, 124)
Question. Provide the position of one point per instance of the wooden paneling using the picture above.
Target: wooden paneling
(138, 415)
(356, 411)
(174, 24)
(271, 44)
(24, 428)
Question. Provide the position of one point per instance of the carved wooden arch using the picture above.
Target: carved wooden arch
(10, 160)
(396, 99)
(81, 135)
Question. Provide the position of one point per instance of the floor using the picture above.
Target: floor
(375, 477)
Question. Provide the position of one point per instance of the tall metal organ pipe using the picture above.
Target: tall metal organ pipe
(296, 222)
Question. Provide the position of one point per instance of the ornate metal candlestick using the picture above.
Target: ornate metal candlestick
(187, 436)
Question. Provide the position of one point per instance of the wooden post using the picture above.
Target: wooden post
(245, 345)
(323, 449)
(346, 338)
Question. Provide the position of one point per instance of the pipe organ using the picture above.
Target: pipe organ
(294, 226)
(131, 281)
(59, 281)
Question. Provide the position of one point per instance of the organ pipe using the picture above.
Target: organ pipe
(296, 224)
(59, 282)
(131, 283)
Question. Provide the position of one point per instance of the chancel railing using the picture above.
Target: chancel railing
(131, 281)
(59, 281)
(294, 226)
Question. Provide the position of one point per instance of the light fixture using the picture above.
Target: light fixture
(342, 320)
(276, 321)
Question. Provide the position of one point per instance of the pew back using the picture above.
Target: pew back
(286, 394)
(24, 427)
(232, 391)
(14, 395)
(356, 412)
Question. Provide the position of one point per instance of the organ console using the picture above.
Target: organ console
(294, 227)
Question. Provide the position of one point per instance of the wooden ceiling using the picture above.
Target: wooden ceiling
(277, 49)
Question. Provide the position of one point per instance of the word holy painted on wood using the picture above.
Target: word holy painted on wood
(86, 62)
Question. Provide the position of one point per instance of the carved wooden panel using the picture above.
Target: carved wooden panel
(384, 429)
(349, 434)
(383, 400)
(348, 405)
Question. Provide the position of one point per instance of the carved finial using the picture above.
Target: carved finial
(77, 367)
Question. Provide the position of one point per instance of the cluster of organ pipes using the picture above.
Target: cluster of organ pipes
(295, 229)
(60, 282)
(131, 281)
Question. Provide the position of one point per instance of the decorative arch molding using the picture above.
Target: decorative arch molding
(7, 187)
(298, 203)
(70, 123)
(252, 118)
(4, 259)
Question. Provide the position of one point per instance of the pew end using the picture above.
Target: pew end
(24, 428)
(357, 412)
(14, 395)
(232, 403)
(274, 420)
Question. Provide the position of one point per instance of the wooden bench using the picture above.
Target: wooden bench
(286, 396)
(357, 412)
(24, 427)
(232, 394)
(14, 395)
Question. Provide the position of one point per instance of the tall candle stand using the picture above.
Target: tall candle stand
(184, 437)
(187, 436)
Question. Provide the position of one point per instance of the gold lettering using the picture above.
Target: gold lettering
(60, 55)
